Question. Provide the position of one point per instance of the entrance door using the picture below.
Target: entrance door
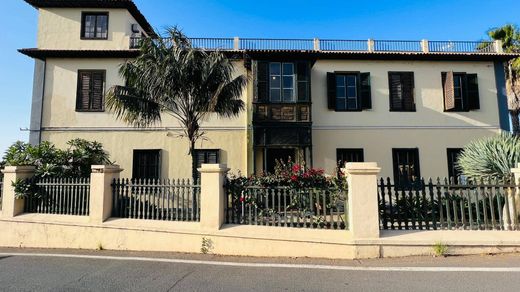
(273, 154)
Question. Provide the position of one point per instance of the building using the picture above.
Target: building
(408, 105)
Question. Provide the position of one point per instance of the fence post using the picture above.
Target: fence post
(101, 191)
(11, 206)
(316, 44)
(498, 47)
(212, 195)
(236, 43)
(425, 46)
(514, 203)
(363, 210)
(371, 45)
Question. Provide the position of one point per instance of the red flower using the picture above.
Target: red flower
(296, 168)
(242, 199)
(294, 178)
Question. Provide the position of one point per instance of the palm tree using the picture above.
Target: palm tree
(172, 77)
(510, 36)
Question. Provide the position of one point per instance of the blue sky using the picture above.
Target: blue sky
(345, 19)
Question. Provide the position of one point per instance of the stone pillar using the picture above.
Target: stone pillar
(236, 43)
(498, 47)
(363, 210)
(212, 195)
(425, 46)
(11, 206)
(371, 45)
(316, 44)
(101, 180)
(514, 199)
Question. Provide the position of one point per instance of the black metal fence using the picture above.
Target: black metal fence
(1, 190)
(63, 196)
(487, 204)
(156, 199)
(288, 207)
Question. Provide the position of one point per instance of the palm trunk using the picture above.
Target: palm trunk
(194, 203)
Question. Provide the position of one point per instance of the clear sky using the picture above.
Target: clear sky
(339, 19)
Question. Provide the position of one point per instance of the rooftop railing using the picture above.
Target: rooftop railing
(330, 45)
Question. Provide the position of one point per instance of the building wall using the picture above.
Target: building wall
(378, 130)
(60, 28)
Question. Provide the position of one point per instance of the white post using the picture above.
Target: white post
(236, 43)
(371, 45)
(11, 206)
(514, 199)
(212, 195)
(316, 44)
(363, 209)
(498, 47)
(101, 191)
(425, 46)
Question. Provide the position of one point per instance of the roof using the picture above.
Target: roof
(125, 4)
(43, 54)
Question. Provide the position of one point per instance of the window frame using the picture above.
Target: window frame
(355, 151)
(195, 160)
(402, 109)
(281, 88)
(452, 171)
(357, 75)
(395, 152)
(462, 87)
(78, 92)
(148, 151)
(84, 15)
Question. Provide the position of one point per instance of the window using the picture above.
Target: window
(349, 155)
(406, 165)
(91, 90)
(146, 164)
(401, 89)
(460, 91)
(453, 156)
(281, 82)
(94, 26)
(204, 156)
(278, 82)
(349, 91)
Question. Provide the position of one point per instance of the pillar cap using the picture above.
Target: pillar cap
(112, 168)
(361, 168)
(211, 168)
(19, 169)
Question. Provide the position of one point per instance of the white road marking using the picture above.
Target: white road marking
(272, 265)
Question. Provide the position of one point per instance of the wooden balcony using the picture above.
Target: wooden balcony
(282, 112)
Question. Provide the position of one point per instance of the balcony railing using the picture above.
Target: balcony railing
(330, 45)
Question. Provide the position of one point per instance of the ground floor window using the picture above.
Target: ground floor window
(453, 156)
(344, 155)
(146, 164)
(406, 165)
(203, 156)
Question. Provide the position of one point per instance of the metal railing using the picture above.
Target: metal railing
(332, 45)
(154, 199)
(64, 196)
(461, 47)
(288, 207)
(487, 204)
(1, 190)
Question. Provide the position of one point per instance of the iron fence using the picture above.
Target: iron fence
(461, 47)
(487, 204)
(1, 190)
(276, 44)
(64, 196)
(344, 45)
(398, 46)
(156, 199)
(212, 43)
(288, 207)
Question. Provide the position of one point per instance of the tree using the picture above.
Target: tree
(510, 36)
(172, 77)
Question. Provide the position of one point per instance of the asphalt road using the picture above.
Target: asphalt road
(175, 272)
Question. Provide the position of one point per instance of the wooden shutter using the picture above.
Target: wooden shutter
(449, 90)
(202, 157)
(365, 91)
(407, 81)
(303, 78)
(331, 90)
(262, 81)
(98, 90)
(83, 95)
(471, 92)
(395, 90)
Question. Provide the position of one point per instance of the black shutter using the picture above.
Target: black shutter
(303, 74)
(448, 90)
(395, 91)
(331, 90)
(262, 81)
(407, 80)
(202, 157)
(83, 95)
(472, 96)
(365, 91)
(98, 90)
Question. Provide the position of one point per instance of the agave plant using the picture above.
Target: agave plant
(490, 156)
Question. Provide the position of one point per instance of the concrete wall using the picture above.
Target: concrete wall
(60, 28)
(378, 130)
